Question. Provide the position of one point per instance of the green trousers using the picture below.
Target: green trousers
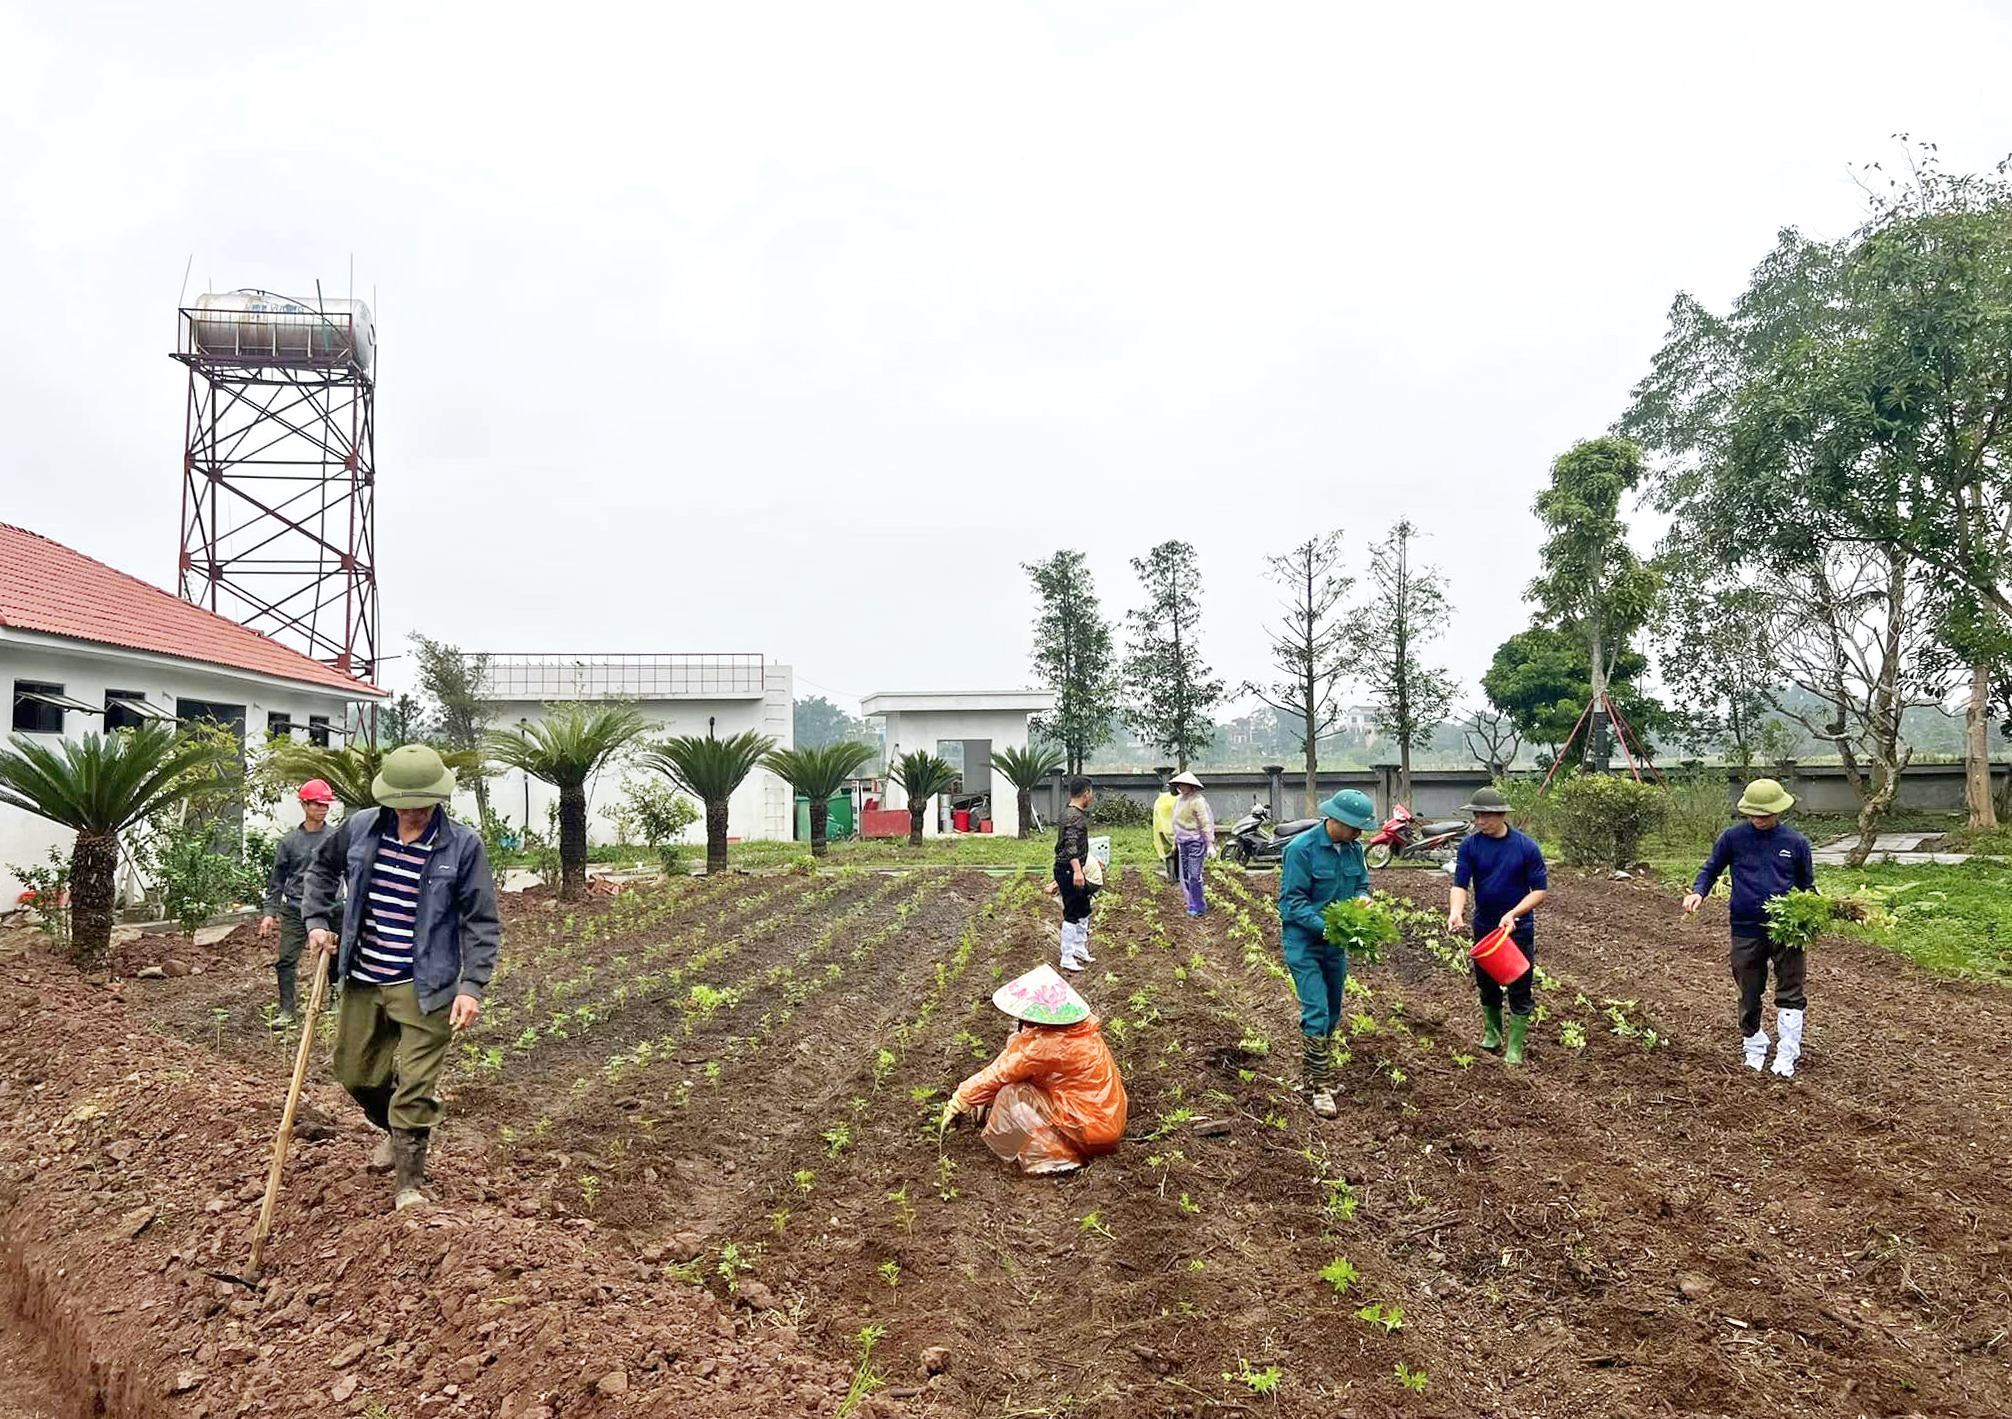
(384, 1043)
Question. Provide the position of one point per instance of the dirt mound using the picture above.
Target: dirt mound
(131, 1169)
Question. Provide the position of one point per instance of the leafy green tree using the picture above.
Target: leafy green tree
(566, 748)
(1309, 648)
(400, 720)
(1592, 584)
(1538, 679)
(818, 773)
(710, 770)
(1174, 694)
(1706, 628)
(1026, 769)
(1074, 656)
(1405, 610)
(348, 771)
(816, 722)
(460, 713)
(922, 776)
(650, 811)
(98, 786)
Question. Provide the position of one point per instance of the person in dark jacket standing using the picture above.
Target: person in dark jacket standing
(1072, 877)
(1503, 871)
(290, 862)
(1766, 859)
(418, 945)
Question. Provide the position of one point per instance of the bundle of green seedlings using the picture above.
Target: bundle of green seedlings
(1796, 919)
(1362, 927)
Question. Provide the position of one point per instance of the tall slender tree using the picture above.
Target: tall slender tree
(1309, 647)
(1173, 693)
(1073, 655)
(1592, 583)
(710, 770)
(818, 772)
(454, 683)
(1406, 609)
(567, 748)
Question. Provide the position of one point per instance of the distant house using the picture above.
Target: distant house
(84, 647)
(701, 694)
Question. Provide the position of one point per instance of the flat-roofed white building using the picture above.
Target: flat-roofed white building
(963, 726)
(716, 694)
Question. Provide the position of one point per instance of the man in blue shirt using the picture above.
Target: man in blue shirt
(1503, 871)
(1324, 864)
(1767, 859)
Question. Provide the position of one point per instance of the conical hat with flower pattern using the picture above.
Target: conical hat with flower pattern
(1041, 997)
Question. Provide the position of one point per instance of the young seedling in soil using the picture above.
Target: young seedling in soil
(865, 1379)
(1094, 1222)
(1340, 1274)
(779, 1219)
(805, 1180)
(1573, 1036)
(945, 1166)
(590, 1190)
(1391, 1318)
(904, 1210)
(837, 1140)
(890, 1272)
(1413, 1380)
(1265, 1381)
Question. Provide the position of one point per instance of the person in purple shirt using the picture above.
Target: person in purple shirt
(1503, 871)
(1767, 858)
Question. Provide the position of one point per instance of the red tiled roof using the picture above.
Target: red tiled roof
(47, 587)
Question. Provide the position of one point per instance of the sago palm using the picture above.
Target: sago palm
(710, 770)
(565, 749)
(348, 771)
(99, 786)
(1025, 769)
(817, 774)
(922, 776)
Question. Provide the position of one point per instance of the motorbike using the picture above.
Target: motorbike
(1250, 841)
(1404, 837)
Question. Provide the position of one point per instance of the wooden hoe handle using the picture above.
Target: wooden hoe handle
(307, 1023)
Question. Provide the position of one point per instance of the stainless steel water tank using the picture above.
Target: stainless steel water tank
(257, 325)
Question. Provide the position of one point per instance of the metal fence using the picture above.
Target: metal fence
(732, 676)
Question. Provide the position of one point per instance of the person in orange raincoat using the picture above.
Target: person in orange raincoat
(1055, 1097)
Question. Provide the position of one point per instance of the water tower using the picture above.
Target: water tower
(279, 522)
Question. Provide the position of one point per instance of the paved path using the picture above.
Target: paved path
(1908, 849)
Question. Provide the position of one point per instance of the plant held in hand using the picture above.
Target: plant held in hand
(1362, 928)
(1796, 919)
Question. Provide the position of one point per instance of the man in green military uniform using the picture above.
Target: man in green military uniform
(1322, 865)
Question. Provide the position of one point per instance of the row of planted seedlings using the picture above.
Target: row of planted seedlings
(1247, 918)
(578, 997)
(829, 961)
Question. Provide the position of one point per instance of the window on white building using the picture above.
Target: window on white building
(277, 725)
(38, 707)
(126, 709)
(317, 730)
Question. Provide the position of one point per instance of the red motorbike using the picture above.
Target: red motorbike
(1404, 837)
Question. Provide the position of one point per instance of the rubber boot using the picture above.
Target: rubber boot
(1316, 1062)
(1789, 1022)
(1491, 1034)
(376, 1106)
(285, 973)
(1512, 1053)
(408, 1151)
(1756, 1049)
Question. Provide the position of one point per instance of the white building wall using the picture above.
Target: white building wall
(909, 730)
(87, 671)
(761, 809)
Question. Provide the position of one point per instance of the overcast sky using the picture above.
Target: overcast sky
(798, 328)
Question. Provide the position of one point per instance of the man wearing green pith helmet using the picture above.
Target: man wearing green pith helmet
(1322, 865)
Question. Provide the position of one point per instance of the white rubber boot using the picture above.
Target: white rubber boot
(1789, 1022)
(1072, 934)
(1756, 1045)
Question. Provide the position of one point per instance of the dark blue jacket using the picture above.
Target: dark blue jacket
(1500, 872)
(1764, 866)
(459, 930)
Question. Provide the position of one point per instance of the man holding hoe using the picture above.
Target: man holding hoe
(1767, 859)
(1322, 865)
(1504, 871)
(290, 861)
(418, 944)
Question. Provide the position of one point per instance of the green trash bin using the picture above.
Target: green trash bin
(838, 821)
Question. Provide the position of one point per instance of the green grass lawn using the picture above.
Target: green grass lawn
(1956, 920)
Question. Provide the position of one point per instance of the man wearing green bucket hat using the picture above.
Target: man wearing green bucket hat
(1504, 872)
(418, 944)
(1322, 865)
(1767, 859)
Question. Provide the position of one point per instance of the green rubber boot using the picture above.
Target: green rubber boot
(1491, 1037)
(1519, 1026)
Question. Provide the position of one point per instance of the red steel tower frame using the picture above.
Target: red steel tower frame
(279, 484)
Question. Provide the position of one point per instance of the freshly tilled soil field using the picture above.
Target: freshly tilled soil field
(692, 1168)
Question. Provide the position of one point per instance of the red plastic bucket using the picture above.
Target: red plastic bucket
(986, 826)
(960, 819)
(1496, 954)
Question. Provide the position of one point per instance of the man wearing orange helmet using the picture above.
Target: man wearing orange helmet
(282, 894)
